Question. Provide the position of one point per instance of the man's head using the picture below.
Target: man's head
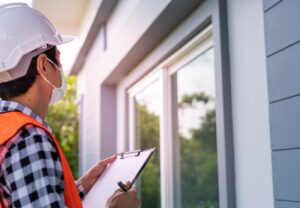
(29, 60)
(21, 85)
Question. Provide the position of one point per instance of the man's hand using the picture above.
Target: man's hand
(90, 177)
(121, 199)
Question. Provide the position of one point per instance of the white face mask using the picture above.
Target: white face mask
(57, 92)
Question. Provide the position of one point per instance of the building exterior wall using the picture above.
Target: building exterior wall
(88, 95)
(117, 53)
(108, 49)
(282, 52)
(189, 27)
(254, 187)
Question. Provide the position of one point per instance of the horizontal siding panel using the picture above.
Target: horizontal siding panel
(285, 123)
(284, 73)
(286, 172)
(269, 3)
(282, 25)
(281, 204)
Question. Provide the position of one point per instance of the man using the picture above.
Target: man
(33, 169)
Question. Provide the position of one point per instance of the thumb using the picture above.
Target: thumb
(108, 160)
(128, 185)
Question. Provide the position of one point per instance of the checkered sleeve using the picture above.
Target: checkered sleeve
(33, 171)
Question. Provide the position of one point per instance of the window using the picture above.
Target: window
(194, 87)
(173, 108)
(147, 107)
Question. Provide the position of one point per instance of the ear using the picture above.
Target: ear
(40, 64)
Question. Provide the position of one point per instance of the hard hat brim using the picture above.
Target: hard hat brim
(67, 38)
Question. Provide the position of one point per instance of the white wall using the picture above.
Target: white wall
(121, 38)
(88, 86)
(118, 19)
(101, 62)
(254, 188)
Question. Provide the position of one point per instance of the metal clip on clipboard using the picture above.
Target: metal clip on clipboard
(135, 153)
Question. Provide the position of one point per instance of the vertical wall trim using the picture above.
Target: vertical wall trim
(223, 107)
(81, 161)
(104, 29)
(108, 121)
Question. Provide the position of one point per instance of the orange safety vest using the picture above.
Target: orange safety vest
(12, 122)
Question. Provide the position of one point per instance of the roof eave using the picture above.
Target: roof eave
(105, 10)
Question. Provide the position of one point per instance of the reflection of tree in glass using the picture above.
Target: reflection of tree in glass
(198, 158)
(190, 100)
(199, 172)
(148, 134)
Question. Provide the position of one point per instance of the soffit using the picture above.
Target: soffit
(66, 15)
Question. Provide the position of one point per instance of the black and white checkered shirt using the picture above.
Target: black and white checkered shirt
(31, 172)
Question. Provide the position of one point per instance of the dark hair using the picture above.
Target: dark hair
(21, 85)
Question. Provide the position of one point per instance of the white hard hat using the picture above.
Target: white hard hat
(24, 33)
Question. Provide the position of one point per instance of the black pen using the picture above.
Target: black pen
(122, 186)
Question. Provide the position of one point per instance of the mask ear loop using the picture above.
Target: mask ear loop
(54, 64)
(49, 60)
(52, 85)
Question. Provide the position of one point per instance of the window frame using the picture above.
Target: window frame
(132, 92)
(210, 12)
(170, 172)
(193, 49)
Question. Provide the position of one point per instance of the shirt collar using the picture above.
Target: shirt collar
(9, 106)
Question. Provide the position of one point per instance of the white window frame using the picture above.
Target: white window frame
(194, 48)
(132, 92)
(134, 83)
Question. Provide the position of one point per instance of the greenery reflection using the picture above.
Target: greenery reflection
(148, 134)
(199, 174)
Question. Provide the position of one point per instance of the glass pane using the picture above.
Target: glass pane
(197, 132)
(148, 106)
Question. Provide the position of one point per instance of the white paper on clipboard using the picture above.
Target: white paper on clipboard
(126, 169)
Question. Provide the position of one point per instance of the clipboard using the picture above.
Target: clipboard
(127, 167)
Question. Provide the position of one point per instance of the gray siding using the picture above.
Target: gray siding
(282, 25)
(282, 204)
(270, 3)
(287, 186)
(284, 73)
(285, 123)
(282, 35)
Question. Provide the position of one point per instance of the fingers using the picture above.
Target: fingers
(128, 185)
(108, 160)
(133, 197)
(123, 199)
